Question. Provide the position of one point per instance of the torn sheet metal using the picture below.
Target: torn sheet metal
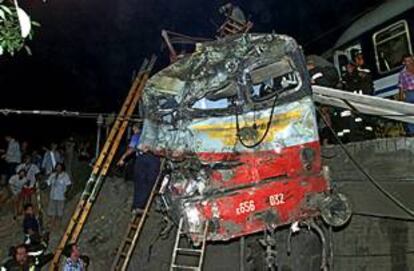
(237, 124)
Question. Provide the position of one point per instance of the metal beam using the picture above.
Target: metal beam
(395, 110)
(364, 108)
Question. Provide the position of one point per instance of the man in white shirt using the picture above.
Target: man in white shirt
(13, 155)
(58, 182)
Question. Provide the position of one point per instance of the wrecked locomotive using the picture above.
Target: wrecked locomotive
(237, 125)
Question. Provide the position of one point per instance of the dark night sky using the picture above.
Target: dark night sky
(85, 51)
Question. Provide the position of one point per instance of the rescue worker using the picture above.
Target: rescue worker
(347, 124)
(146, 169)
(322, 75)
(365, 85)
(31, 225)
(36, 243)
(325, 76)
(406, 84)
(357, 79)
(21, 260)
(364, 127)
(351, 78)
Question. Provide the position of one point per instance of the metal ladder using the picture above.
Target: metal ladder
(102, 164)
(197, 254)
(232, 27)
(135, 226)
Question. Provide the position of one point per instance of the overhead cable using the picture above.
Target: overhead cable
(65, 113)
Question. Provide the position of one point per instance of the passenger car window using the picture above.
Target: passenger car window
(391, 44)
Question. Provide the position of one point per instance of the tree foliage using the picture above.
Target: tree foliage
(12, 38)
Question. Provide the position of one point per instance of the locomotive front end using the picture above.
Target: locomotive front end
(236, 124)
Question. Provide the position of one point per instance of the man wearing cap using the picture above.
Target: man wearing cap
(365, 84)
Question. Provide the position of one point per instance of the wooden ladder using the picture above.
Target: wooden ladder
(102, 164)
(130, 240)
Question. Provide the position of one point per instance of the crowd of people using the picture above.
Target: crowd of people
(24, 173)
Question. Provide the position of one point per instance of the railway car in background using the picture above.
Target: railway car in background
(383, 36)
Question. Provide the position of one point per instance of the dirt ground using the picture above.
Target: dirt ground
(366, 243)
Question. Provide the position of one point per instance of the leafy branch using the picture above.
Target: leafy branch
(15, 29)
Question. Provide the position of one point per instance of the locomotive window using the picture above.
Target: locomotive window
(391, 44)
(206, 104)
(217, 98)
(275, 79)
(281, 86)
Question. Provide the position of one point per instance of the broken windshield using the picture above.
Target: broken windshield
(276, 79)
(264, 82)
(279, 86)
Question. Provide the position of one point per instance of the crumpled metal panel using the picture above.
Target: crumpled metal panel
(237, 124)
(170, 95)
(293, 123)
